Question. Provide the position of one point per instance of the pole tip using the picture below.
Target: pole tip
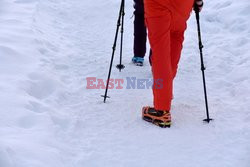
(105, 97)
(207, 120)
(120, 66)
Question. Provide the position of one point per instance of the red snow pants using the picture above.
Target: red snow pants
(166, 26)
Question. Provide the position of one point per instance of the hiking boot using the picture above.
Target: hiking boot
(138, 61)
(157, 117)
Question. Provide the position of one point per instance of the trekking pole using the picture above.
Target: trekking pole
(105, 96)
(121, 66)
(208, 119)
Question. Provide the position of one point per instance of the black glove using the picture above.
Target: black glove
(198, 4)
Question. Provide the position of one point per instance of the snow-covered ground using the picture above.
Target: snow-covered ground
(48, 118)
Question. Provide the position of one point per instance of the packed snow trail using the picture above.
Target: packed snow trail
(49, 118)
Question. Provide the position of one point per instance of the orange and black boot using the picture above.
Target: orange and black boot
(157, 117)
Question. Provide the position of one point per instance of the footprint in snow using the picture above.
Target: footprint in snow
(5, 158)
(36, 107)
(41, 86)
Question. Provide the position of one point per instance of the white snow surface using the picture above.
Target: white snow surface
(49, 119)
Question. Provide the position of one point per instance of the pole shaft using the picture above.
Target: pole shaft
(202, 63)
(113, 52)
(122, 30)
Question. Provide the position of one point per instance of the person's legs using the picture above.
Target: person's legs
(140, 32)
(159, 37)
(166, 28)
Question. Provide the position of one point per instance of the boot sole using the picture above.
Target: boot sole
(157, 122)
(138, 64)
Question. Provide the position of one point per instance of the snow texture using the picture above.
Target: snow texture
(49, 118)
